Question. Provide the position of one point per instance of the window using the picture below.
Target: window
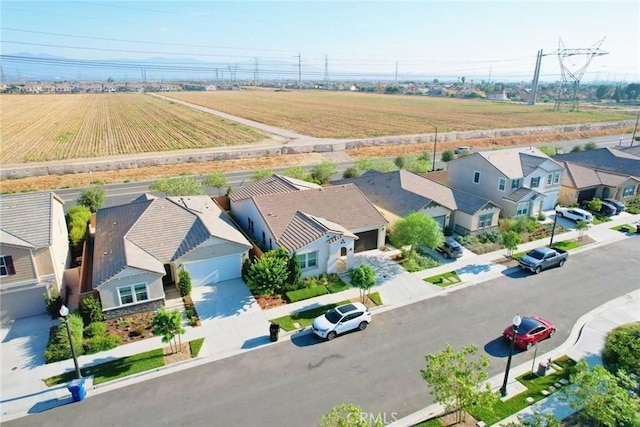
(476, 177)
(522, 209)
(308, 260)
(556, 177)
(515, 184)
(628, 191)
(6, 265)
(133, 293)
(485, 220)
(250, 225)
(502, 183)
(549, 179)
(535, 182)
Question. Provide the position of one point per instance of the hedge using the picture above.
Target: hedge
(306, 293)
(58, 347)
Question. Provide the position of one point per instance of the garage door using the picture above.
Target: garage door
(586, 195)
(550, 201)
(367, 240)
(214, 270)
(440, 220)
(22, 303)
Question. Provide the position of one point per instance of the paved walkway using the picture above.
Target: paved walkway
(232, 323)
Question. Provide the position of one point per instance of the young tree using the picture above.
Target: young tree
(91, 310)
(261, 174)
(416, 229)
(621, 349)
(350, 415)
(295, 271)
(447, 156)
(365, 164)
(77, 218)
(549, 151)
(363, 277)
(267, 274)
(597, 394)
(93, 198)
(510, 240)
(180, 186)
(581, 226)
(351, 172)
(590, 145)
(323, 172)
(184, 283)
(595, 204)
(400, 161)
(215, 180)
(577, 148)
(168, 324)
(420, 164)
(456, 379)
(297, 172)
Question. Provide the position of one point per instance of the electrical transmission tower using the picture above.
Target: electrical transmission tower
(572, 71)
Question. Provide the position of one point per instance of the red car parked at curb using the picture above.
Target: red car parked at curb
(532, 330)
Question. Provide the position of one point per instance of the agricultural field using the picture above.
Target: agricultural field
(360, 115)
(38, 128)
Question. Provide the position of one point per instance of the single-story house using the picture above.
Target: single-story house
(399, 193)
(139, 248)
(34, 252)
(623, 162)
(582, 183)
(323, 226)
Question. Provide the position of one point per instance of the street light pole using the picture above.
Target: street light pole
(64, 312)
(515, 324)
(435, 143)
(553, 230)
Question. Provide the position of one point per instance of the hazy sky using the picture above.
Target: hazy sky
(476, 39)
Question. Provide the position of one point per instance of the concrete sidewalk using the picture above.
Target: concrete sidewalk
(232, 323)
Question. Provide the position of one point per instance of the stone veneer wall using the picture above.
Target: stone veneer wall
(133, 309)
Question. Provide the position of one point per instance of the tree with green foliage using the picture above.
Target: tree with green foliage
(581, 226)
(604, 92)
(458, 379)
(351, 172)
(297, 172)
(215, 180)
(350, 415)
(549, 151)
(365, 164)
(295, 271)
(363, 277)
(184, 283)
(577, 148)
(621, 349)
(261, 174)
(595, 204)
(93, 198)
(168, 325)
(510, 240)
(416, 229)
(268, 274)
(78, 217)
(419, 164)
(536, 419)
(400, 161)
(599, 396)
(91, 310)
(632, 91)
(379, 165)
(447, 156)
(590, 146)
(58, 347)
(322, 173)
(179, 186)
(53, 303)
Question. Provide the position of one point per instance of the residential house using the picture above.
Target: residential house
(323, 226)
(399, 193)
(522, 181)
(582, 183)
(498, 95)
(140, 247)
(34, 252)
(624, 162)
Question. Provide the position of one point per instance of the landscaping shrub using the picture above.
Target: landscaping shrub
(306, 293)
(95, 329)
(58, 347)
(412, 261)
(91, 310)
(622, 348)
(101, 343)
(351, 172)
(489, 237)
(184, 283)
(542, 216)
(246, 265)
(53, 303)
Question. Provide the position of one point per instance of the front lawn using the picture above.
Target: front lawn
(445, 279)
(304, 318)
(566, 245)
(625, 228)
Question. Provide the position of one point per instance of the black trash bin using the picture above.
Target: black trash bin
(76, 387)
(274, 330)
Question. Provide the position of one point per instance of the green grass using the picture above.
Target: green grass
(336, 286)
(566, 245)
(115, 369)
(625, 228)
(433, 422)
(195, 346)
(518, 255)
(375, 297)
(445, 279)
(304, 318)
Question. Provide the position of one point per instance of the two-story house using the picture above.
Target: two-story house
(34, 252)
(522, 181)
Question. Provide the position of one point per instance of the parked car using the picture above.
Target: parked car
(620, 207)
(531, 331)
(542, 258)
(450, 248)
(606, 209)
(575, 214)
(341, 319)
(460, 149)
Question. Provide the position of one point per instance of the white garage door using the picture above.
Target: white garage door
(22, 303)
(214, 270)
(550, 201)
(440, 220)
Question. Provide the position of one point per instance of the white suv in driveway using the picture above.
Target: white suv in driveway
(575, 214)
(342, 319)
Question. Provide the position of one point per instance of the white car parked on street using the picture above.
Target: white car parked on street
(575, 214)
(342, 319)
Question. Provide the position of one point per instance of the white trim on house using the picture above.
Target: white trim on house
(134, 293)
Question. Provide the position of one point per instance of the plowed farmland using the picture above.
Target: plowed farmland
(56, 127)
(359, 115)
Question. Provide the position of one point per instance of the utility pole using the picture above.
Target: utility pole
(396, 81)
(326, 71)
(435, 143)
(299, 72)
(255, 72)
(633, 138)
(536, 76)
(490, 69)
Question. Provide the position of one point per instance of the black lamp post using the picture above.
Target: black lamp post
(435, 144)
(64, 312)
(517, 320)
(553, 230)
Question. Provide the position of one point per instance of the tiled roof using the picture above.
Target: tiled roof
(605, 159)
(272, 185)
(578, 176)
(292, 212)
(304, 229)
(516, 162)
(149, 233)
(27, 217)
(521, 194)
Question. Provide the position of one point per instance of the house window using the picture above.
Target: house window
(628, 191)
(515, 184)
(308, 260)
(250, 225)
(132, 294)
(549, 179)
(556, 177)
(535, 182)
(6, 265)
(476, 177)
(485, 220)
(522, 209)
(502, 183)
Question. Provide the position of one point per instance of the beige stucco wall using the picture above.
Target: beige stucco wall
(23, 263)
(130, 276)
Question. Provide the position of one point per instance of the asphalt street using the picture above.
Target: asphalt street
(294, 383)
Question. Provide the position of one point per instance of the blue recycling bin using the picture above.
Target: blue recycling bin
(76, 387)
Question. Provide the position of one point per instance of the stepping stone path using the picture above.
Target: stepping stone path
(557, 385)
(545, 393)
(564, 381)
(530, 400)
(552, 389)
